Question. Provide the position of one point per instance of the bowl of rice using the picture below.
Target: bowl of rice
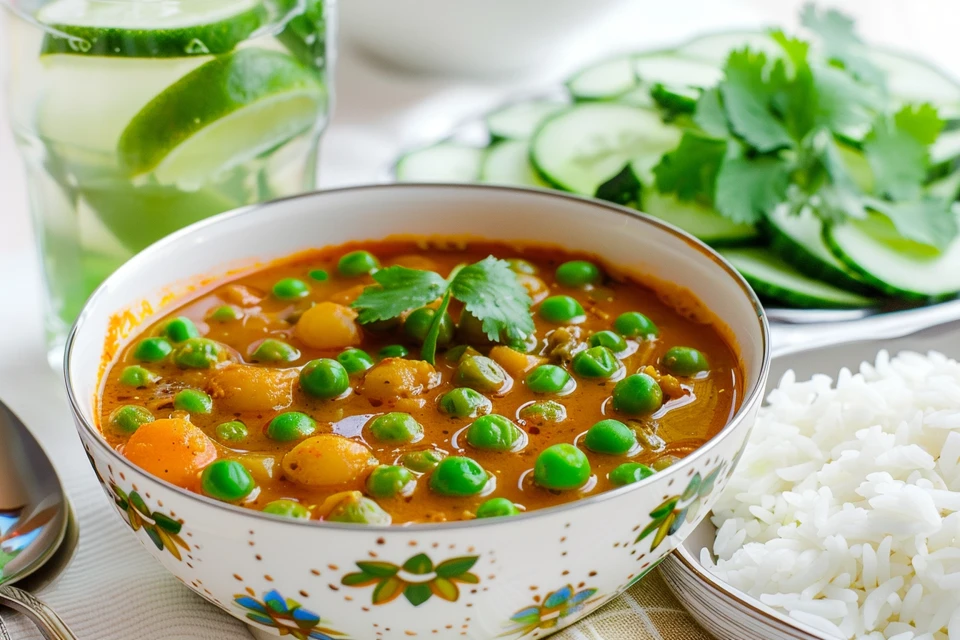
(842, 519)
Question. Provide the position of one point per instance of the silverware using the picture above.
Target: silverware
(35, 518)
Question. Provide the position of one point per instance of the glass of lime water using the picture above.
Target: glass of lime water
(135, 118)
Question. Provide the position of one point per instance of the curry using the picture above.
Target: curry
(402, 381)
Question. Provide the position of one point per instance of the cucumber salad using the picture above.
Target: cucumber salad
(826, 170)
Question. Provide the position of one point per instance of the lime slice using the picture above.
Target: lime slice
(220, 115)
(149, 29)
(305, 34)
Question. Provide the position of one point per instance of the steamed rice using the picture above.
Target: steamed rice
(845, 510)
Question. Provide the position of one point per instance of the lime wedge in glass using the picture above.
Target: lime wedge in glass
(148, 29)
(220, 115)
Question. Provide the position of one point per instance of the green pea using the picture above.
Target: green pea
(561, 467)
(290, 426)
(421, 461)
(226, 313)
(664, 462)
(233, 431)
(549, 378)
(481, 373)
(288, 509)
(137, 376)
(633, 324)
(519, 265)
(227, 480)
(608, 339)
(636, 394)
(129, 418)
(357, 263)
(596, 362)
(387, 481)
(562, 309)
(418, 324)
(494, 433)
(180, 329)
(396, 427)
(497, 507)
(324, 378)
(684, 361)
(611, 437)
(198, 353)
(630, 472)
(152, 350)
(577, 273)
(271, 350)
(290, 289)
(464, 402)
(193, 401)
(393, 351)
(540, 412)
(458, 476)
(355, 360)
(528, 344)
(319, 275)
(359, 510)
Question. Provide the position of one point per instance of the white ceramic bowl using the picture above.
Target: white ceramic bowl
(479, 38)
(523, 576)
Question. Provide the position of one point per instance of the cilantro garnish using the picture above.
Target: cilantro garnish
(488, 289)
(778, 129)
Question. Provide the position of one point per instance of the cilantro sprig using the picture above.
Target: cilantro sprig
(773, 131)
(488, 289)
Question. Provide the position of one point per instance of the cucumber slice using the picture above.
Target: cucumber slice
(442, 162)
(699, 221)
(221, 115)
(899, 267)
(638, 97)
(670, 69)
(148, 29)
(913, 80)
(518, 121)
(604, 81)
(508, 162)
(675, 100)
(581, 147)
(773, 278)
(799, 241)
(715, 48)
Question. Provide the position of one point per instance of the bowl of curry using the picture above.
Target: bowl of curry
(453, 411)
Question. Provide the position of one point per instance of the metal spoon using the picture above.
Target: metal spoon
(34, 519)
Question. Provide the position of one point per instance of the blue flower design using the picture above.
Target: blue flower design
(287, 616)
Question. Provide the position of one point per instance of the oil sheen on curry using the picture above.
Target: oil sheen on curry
(420, 381)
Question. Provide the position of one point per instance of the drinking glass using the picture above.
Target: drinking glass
(135, 118)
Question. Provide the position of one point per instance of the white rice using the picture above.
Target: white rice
(845, 510)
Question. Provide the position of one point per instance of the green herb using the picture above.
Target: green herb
(773, 131)
(489, 290)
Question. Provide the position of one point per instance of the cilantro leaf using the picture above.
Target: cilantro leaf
(920, 121)
(691, 169)
(897, 151)
(709, 114)
(841, 43)
(398, 289)
(747, 189)
(490, 291)
(928, 219)
(747, 101)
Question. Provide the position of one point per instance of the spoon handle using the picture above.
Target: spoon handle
(49, 623)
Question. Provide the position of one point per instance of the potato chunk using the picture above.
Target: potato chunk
(328, 325)
(396, 378)
(328, 460)
(242, 387)
(171, 449)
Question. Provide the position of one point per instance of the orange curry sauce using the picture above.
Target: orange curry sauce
(694, 409)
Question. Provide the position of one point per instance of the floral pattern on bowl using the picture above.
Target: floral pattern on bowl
(417, 579)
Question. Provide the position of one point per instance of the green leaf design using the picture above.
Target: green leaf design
(665, 507)
(167, 523)
(379, 569)
(678, 521)
(663, 531)
(706, 488)
(417, 594)
(387, 590)
(361, 579)
(653, 526)
(469, 578)
(455, 566)
(139, 504)
(419, 564)
(120, 493)
(152, 532)
(691, 491)
(445, 589)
